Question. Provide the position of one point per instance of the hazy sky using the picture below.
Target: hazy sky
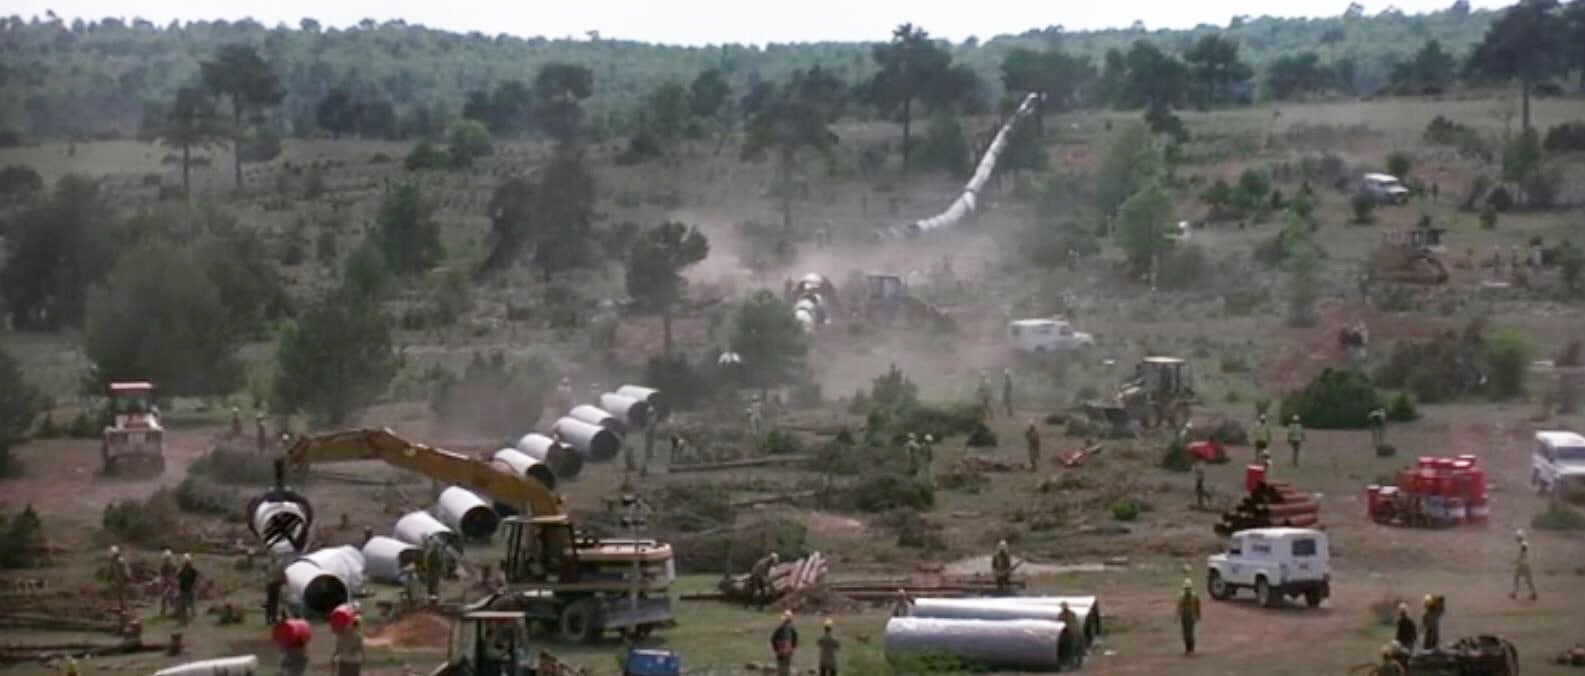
(715, 21)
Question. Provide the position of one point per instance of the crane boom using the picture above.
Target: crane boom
(520, 491)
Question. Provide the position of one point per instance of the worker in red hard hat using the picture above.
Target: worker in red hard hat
(348, 654)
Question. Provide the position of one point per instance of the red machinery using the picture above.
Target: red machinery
(1435, 492)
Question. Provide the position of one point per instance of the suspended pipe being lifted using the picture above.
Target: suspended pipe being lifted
(464, 511)
(634, 413)
(659, 403)
(563, 459)
(1031, 645)
(418, 528)
(281, 520)
(383, 558)
(526, 465)
(594, 415)
(325, 579)
(592, 440)
(966, 203)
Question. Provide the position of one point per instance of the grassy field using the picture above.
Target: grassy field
(1060, 516)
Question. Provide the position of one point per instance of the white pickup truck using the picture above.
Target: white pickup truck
(1557, 464)
(1276, 562)
(1046, 335)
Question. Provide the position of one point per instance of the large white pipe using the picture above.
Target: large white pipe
(246, 665)
(969, 609)
(383, 558)
(633, 412)
(594, 441)
(594, 415)
(968, 201)
(418, 528)
(562, 458)
(1088, 608)
(464, 511)
(280, 520)
(1031, 645)
(523, 464)
(325, 579)
(659, 403)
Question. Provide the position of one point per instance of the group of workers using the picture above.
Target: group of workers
(983, 392)
(784, 644)
(177, 584)
(1262, 438)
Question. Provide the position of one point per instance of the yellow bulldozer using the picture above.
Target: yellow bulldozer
(562, 579)
(1409, 257)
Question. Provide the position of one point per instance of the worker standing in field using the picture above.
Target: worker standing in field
(759, 578)
(1378, 427)
(1200, 494)
(1521, 568)
(1188, 614)
(984, 393)
(1002, 568)
(1032, 438)
(829, 645)
(272, 597)
(911, 448)
(783, 643)
(411, 593)
(236, 422)
(168, 570)
(1071, 644)
(187, 588)
(120, 577)
(1262, 436)
(755, 417)
(1392, 658)
(1295, 437)
(1007, 391)
(262, 436)
(1406, 632)
(927, 459)
(348, 654)
(1431, 621)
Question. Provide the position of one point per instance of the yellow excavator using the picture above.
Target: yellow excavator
(574, 585)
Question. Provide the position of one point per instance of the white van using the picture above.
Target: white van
(1384, 188)
(1046, 335)
(1558, 462)
(1276, 563)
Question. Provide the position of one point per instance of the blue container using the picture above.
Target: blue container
(652, 663)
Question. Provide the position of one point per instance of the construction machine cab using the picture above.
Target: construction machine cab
(1165, 376)
(540, 549)
(134, 440)
(489, 643)
(884, 288)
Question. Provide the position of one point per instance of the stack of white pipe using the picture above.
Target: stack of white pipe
(594, 415)
(523, 464)
(1030, 645)
(631, 411)
(563, 459)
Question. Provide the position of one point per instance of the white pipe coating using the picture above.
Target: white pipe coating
(246, 665)
(562, 458)
(596, 442)
(384, 557)
(1003, 644)
(594, 415)
(464, 511)
(633, 412)
(523, 464)
(659, 403)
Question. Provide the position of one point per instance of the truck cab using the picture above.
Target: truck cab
(1046, 335)
(1276, 563)
(1557, 464)
(1384, 188)
(489, 643)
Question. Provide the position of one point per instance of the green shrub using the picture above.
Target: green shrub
(881, 492)
(232, 465)
(683, 384)
(85, 426)
(425, 156)
(781, 442)
(1402, 409)
(913, 530)
(1335, 399)
(1176, 457)
(1230, 432)
(153, 521)
(1126, 509)
(196, 496)
(21, 540)
(981, 436)
(1558, 516)
(1488, 217)
(1508, 355)
(939, 421)
(1364, 207)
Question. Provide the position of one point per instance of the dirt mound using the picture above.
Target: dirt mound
(816, 601)
(1317, 348)
(416, 630)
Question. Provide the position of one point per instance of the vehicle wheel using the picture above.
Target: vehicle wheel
(1217, 587)
(1181, 413)
(579, 624)
(643, 630)
(1312, 598)
(1264, 593)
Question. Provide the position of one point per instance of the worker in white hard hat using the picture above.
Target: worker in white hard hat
(1521, 567)
(1188, 614)
(783, 642)
(1002, 568)
(120, 576)
(759, 578)
(168, 570)
(187, 589)
(1295, 437)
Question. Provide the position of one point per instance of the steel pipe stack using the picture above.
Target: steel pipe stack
(1027, 645)
(383, 558)
(563, 459)
(594, 415)
(464, 511)
(633, 413)
(659, 403)
(596, 442)
(523, 464)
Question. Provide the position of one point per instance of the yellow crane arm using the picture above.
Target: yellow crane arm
(525, 493)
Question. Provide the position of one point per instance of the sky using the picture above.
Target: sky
(701, 22)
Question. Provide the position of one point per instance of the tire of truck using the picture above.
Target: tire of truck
(1265, 595)
(643, 630)
(1312, 598)
(578, 622)
(1217, 587)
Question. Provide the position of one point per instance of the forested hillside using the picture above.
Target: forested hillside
(94, 79)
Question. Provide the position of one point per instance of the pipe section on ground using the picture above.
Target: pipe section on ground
(383, 558)
(281, 519)
(563, 459)
(325, 579)
(594, 441)
(659, 403)
(972, 609)
(418, 528)
(594, 415)
(633, 413)
(246, 665)
(464, 511)
(1030, 645)
(1088, 608)
(523, 464)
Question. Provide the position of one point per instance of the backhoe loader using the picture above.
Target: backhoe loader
(573, 584)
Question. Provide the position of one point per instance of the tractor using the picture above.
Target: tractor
(134, 443)
(1409, 257)
(1161, 392)
(886, 300)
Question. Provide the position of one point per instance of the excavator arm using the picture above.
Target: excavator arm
(523, 492)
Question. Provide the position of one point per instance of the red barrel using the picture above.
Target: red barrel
(1477, 488)
(1444, 464)
(1457, 510)
(1470, 458)
(292, 633)
(1442, 484)
(1253, 475)
(1406, 479)
(1478, 510)
(1372, 500)
(1462, 465)
(1425, 462)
